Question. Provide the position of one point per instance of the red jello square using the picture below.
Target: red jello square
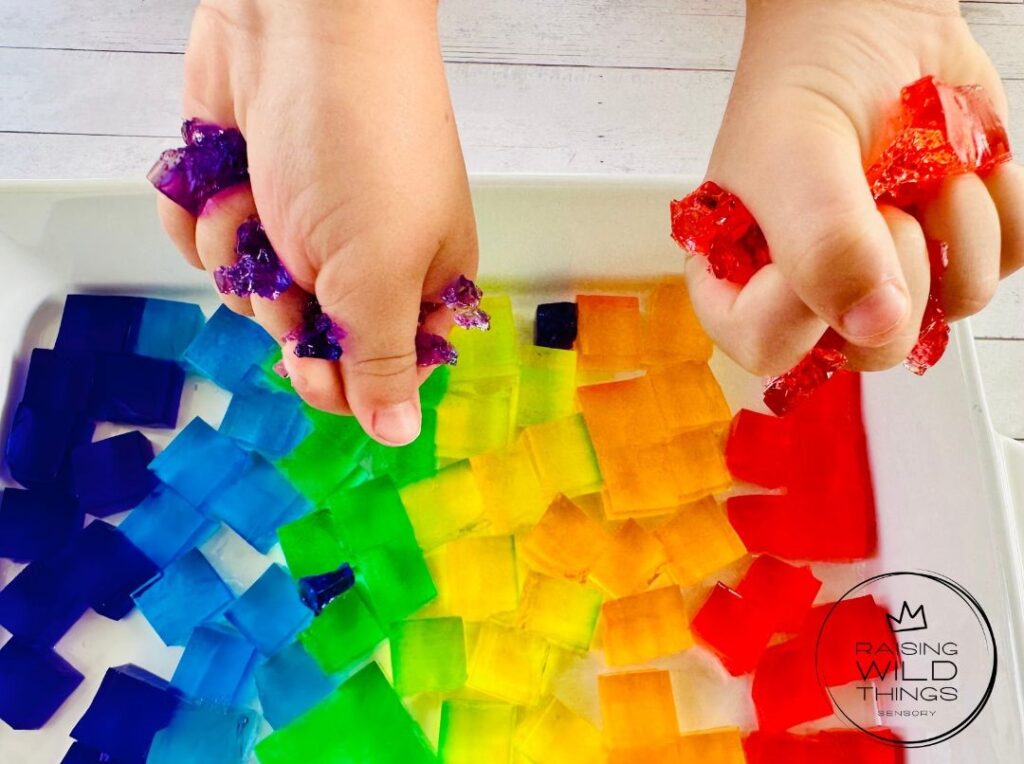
(855, 642)
(759, 449)
(737, 630)
(785, 690)
(786, 590)
(834, 746)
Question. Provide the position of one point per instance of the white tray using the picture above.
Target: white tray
(945, 482)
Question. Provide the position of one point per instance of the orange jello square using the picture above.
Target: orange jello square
(688, 395)
(630, 562)
(640, 480)
(609, 333)
(717, 746)
(698, 461)
(699, 540)
(666, 753)
(622, 413)
(645, 626)
(565, 542)
(638, 709)
(672, 330)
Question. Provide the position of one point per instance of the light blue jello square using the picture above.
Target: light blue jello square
(199, 461)
(270, 612)
(257, 504)
(165, 526)
(205, 733)
(290, 683)
(216, 666)
(271, 423)
(187, 594)
(167, 328)
(227, 347)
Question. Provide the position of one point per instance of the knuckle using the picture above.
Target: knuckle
(970, 299)
(384, 366)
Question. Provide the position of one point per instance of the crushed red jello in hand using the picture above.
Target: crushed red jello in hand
(934, 336)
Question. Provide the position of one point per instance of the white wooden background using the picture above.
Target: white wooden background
(90, 88)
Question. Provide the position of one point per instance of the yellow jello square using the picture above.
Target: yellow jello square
(494, 353)
(610, 332)
(511, 490)
(563, 611)
(622, 413)
(473, 732)
(698, 460)
(718, 746)
(444, 506)
(564, 456)
(554, 734)
(547, 384)
(508, 664)
(699, 541)
(480, 577)
(630, 561)
(645, 626)
(638, 709)
(689, 397)
(672, 330)
(476, 417)
(565, 542)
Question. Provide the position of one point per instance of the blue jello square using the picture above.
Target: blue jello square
(109, 568)
(112, 475)
(34, 683)
(290, 683)
(38, 603)
(270, 612)
(226, 347)
(40, 441)
(129, 708)
(555, 325)
(188, 594)
(257, 504)
(59, 380)
(99, 322)
(134, 389)
(216, 666)
(165, 526)
(271, 423)
(206, 733)
(36, 523)
(83, 754)
(199, 461)
(168, 327)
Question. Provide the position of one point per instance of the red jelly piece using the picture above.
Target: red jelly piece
(785, 392)
(715, 224)
(787, 590)
(838, 746)
(934, 336)
(785, 690)
(758, 449)
(854, 641)
(737, 629)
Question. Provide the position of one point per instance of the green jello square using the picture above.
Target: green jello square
(428, 655)
(311, 546)
(395, 579)
(369, 515)
(344, 633)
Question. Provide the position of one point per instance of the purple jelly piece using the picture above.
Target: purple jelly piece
(258, 269)
(434, 350)
(427, 308)
(212, 159)
(317, 592)
(463, 297)
(317, 336)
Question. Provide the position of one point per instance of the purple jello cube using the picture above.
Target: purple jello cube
(111, 475)
(59, 379)
(34, 683)
(138, 390)
(99, 323)
(36, 523)
(40, 440)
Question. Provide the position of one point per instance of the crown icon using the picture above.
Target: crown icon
(908, 620)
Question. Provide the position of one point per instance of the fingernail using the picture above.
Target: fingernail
(397, 425)
(877, 313)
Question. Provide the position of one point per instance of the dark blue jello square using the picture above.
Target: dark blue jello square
(130, 707)
(83, 754)
(199, 461)
(36, 523)
(134, 389)
(34, 683)
(112, 475)
(39, 604)
(59, 380)
(227, 347)
(167, 328)
(110, 568)
(555, 325)
(40, 440)
(99, 322)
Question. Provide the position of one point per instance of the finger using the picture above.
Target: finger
(180, 227)
(1006, 187)
(216, 231)
(964, 216)
(911, 249)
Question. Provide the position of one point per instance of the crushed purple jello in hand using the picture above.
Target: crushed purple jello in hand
(258, 270)
(212, 159)
(317, 336)
(462, 297)
(434, 350)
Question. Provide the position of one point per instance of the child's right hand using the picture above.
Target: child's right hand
(356, 173)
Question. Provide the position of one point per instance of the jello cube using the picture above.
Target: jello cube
(271, 423)
(321, 463)
(83, 754)
(187, 594)
(565, 612)
(343, 634)
(672, 331)
(107, 568)
(361, 721)
(167, 327)
(493, 353)
(216, 665)
(840, 630)
(662, 753)
(311, 545)
(566, 542)
(165, 526)
(717, 746)
(111, 475)
(445, 506)
(555, 325)
(199, 461)
(257, 503)
(622, 413)
(100, 323)
(699, 540)
(59, 380)
(641, 480)
(638, 709)
(428, 655)
(737, 629)
(554, 734)
(40, 440)
(136, 390)
(411, 462)
(480, 577)
(36, 523)
(290, 683)
(129, 708)
(689, 397)
(610, 334)
(700, 465)
(227, 347)
(846, 745)
(508, 664)
(630, 561)
(475, 731)
(395, 580)
(206, 732)
(510, 488)
(547, 385)
(476, 417)
(758, 449)
(269, 614)
(787, 591)
(34, 683)
(369, 515)
(786, 690)
(645, 626)
(564, 456)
